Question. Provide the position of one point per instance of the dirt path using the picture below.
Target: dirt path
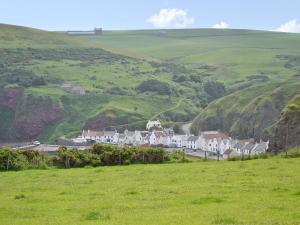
(170, 109)
(186, 128)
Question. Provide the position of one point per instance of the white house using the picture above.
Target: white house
(193, 142)
(260, 148)
(153, 124)
(133, 137)
(159, 138)
(119, 139)
(179, 141)
(91, 135)
(213, 141)
(107, 137)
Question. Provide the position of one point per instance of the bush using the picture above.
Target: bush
(35, 159)
(178, 156)
(155, 86)
(98, 155)
(12, 160)
(214, 90)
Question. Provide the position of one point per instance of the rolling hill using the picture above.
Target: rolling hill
(131, 76)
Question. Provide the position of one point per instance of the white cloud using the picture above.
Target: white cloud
(171, 18)
(221, 25)
(291, 26)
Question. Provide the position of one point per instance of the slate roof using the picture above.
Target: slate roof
(109, 133)
(239, 145)
(193, 138)
(261, 147)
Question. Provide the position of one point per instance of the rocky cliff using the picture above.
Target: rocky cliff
(287, 131)
(24, 117)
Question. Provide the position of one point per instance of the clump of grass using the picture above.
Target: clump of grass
(21, 196)
(297, 193)
(280, 189)
(99, 170)
(132, 193)
(94, 215)
(273, 168)
(207, 200)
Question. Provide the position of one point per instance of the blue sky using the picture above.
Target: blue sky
(137, 14)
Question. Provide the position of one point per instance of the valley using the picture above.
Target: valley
(121, 79)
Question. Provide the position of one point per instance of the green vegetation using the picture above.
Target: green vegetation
(98, 155)
(251, 112)
(293, 106)
(262, 192)
(140, 75)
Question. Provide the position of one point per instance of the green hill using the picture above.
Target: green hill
(131, 76)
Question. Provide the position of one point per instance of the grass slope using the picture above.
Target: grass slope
(111, 66)
(261, 192)
(235, 54)
(251, 112)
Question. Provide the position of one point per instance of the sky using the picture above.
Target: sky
(54, 15)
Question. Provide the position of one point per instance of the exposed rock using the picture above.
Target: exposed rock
(74, 89)
(287, 131)
(25, 117)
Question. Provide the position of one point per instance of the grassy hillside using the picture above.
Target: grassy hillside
(251, 112)
(261, 192)
(39, 62)
(260, 70)
(233, 54)
(132, 76)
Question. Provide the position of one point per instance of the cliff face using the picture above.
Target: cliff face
(287, 131)
(250, 113)
(24, 117)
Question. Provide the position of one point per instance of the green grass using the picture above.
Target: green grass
(238, 52)
(293, 106)
(131, 57)
(261, 192)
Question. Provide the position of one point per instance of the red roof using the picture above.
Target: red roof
(212, 136)
(246, 141)
(228, 152)
(92, 133)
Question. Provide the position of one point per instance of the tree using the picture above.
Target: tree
(70, 157)
(12, 160)
(214, 90)
(35, 158)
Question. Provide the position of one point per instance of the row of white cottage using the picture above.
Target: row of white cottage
(210, 141)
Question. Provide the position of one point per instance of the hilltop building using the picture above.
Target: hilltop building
(96, 31)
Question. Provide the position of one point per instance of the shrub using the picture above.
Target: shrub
(69, 157)
(35, 158)
(214, 90)
(155, 86)
(21, 196)
(12, 160)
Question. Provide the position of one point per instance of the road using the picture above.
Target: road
(54, 148)
(186, 128)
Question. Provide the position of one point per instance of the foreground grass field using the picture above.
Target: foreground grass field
(242, 192)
